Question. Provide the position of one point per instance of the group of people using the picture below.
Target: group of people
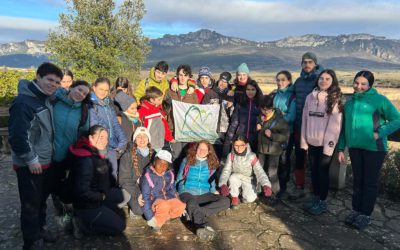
(104, 146)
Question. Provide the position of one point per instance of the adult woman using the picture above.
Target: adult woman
(196, 186)
(103, 114)
(368, 119)
(240, 82)
(67, 79)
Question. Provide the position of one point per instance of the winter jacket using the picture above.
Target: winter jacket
(164, 188)
(150, 81)
(67, 116)
(199, 178)
(30, 126)
(153, 119)
(103, 114)
(239, 90)
(319, 128)
(279, 134)
(303, 86)
(90, 175)
(175, 95)
(248, 166)
(285, 101)
(364, 114)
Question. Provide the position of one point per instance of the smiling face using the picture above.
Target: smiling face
(251, 91)
(66, 82)
(325, 81)
(361, 84)
(202, 150)
(239, 146)
(159, 75)
(48, 83)
(242, 77)
(78, 93)
(282, 81)
(222, 84)
(142, 140)
(101, 90)
(160, 166)
(99, 140)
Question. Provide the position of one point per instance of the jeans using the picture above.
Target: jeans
(319, 164)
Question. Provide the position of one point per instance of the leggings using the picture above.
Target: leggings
(319, 164)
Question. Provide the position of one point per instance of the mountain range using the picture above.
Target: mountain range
(219, 52)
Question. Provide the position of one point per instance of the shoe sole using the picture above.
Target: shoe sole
(205, 235)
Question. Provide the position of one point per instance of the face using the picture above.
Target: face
(66, 82)
(282, 82)
(159, 75)
(202, 150)
(132, 110)
(308, 65)
(142, 141)
(324, 81)
(48, 83)
(240, 146)
(78, 93)
(183, 78)
(242, 77)
(222, 84)
(205, 81)
(156, 101)
(266, 111)
(101, 90)
(99, 140)
(361, 84)
(251, 91)
(160, 166)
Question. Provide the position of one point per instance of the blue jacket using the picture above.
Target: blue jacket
(285, 101)
(30, 126)
(103, 114)
(303, 86)
(67, 115)
(164, 188)
(199, 179)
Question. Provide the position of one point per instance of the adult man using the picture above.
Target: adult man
(302, 87)
(31, 139)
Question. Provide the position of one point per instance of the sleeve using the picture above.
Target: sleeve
(19, 124)
(234, 124)
(179, 176)
(168, 133)
(290, 116)
(281, 131)
(342, 136)
(170, 190)
(392, 118)
(125, 173)
(139, 92)
(226, 171)
(260, 174)
(212, 184)
(146, 193)
(93, 116)
(332, 131)
(119, 133)
(83, 177)
(303, 140)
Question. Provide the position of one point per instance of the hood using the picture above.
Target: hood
(83, 147)
(151, 75)
(96, 101)
(62, 95)
(366, 94)
(319, 95)
(313, 74)
(26, 87)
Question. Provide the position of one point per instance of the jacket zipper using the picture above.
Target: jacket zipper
(248, 121)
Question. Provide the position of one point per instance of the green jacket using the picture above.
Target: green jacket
(140, 89)
(364, 114)
(279, 134)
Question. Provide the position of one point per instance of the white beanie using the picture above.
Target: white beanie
(141, 130)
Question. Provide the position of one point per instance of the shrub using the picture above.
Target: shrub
(390, 175)
(9, 83)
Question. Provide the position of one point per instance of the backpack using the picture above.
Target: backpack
(253, 162)
(151, 183)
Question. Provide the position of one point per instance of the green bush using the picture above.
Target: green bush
(390, 175)
(9, 83)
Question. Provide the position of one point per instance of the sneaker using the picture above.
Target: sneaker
(361, 222)
(205, 233)
(64, 222)
(272, 201)
(319, 207)
(351, 218)
(311, 202)
(134, 216)
(297, 193)
(77, 228)
(186, 215)
(235, 202)
(48, 236)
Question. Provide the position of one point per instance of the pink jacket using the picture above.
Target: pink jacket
(317, 127)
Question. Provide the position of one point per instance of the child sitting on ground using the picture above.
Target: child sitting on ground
(240, 168)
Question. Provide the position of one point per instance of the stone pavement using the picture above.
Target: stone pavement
(252, 226)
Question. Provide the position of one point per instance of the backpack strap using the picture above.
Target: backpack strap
(146, 83)
(172, 177)
(185, 171)
(232, 156)
(254, 161)
(147, 175)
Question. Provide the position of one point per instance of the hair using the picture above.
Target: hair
(152, 92)
(286, 73)
(102, 80)
(86, 103)
(240, 137)
(236, 81)
(135, 158)
(162, 66)
(334, 92)
(366, 74)
(95, 129)
(267, 102)
(48, 68)
(187, 70)
(212, 158)
(121, 82)
(67, 72)
(257, 98)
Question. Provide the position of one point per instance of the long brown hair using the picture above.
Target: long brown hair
(212, 158)
(334, 92)
(135, 159)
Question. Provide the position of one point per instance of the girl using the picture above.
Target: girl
(369, 118)
(128, 115)
(67, 79)
(196, 186)
(240, 169)
(320, 129)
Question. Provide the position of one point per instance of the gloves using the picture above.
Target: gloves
(152, 222)
(267, 191)
(224, 190)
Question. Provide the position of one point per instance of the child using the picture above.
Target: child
(128, 116)
(160, 198)
(273, 132)
(240, 167)
(153, 117)
(320, 129)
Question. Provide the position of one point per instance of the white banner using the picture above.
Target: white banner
(195, 122)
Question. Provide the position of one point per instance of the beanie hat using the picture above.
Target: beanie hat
(225, 76)
(309, 55)
(205, 71)
(141, 130)
(243, 68)
(164, 155)
(124, 100)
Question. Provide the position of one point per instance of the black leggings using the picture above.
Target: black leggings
(366, 167)
(319, 164)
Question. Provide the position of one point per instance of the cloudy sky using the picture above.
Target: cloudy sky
(259, 20)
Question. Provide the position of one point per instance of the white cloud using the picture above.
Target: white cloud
(21, 23)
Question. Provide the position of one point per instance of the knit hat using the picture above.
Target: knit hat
(164, 155)
(141, 130)
(243, 68)
(205, 71)
(225, 76)
(309, 55)
(124, 100)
